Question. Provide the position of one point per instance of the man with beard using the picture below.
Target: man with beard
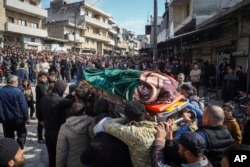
(191, 148)
(11, 155)
(53, 108)
(216, 135)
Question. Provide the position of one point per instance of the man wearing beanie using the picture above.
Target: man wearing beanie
(135, 131)
(11, 155)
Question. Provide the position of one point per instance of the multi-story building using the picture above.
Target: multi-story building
(87, 28)
(182, 25)
(21, 24)
(133, 43)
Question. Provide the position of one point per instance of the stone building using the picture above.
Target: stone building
(21, 24)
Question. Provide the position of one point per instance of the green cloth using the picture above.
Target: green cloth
(116, 82)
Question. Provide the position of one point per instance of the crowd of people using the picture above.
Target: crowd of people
(83, 129)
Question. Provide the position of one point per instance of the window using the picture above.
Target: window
(22, 22)
(96, 31)
(17, 39)
(11, 19)
(33, 3)
(33, 40)
(34, 25)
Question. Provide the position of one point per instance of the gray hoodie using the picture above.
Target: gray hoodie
(72, 140)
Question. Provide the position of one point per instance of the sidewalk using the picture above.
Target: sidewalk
(35, 153)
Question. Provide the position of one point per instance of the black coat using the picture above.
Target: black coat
(41, 90)
(53, 107)
(106, 150)
(246, 134)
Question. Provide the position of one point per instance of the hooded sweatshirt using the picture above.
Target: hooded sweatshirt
(53, 107)
(72, 140)
(60, 87)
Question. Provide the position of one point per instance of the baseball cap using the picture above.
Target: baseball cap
(193, 142)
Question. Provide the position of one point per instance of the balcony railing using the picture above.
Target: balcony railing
(70, 37)
(122, 45)
(11, 27)
(111, 42)
(25, 8)
(96, 36)
(96, 22)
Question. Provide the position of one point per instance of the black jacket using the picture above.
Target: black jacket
(106, 150)
(246, 134)
(41, 90)
(218, 138)
(53, 107)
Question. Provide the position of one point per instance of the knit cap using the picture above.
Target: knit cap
(8, 150)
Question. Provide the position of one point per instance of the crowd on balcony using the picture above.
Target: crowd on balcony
(84, 129)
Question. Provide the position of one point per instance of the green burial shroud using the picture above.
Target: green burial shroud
(117, 82)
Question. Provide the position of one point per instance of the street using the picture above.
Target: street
(36, 154)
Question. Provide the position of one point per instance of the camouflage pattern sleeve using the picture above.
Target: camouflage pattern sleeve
(116, 127)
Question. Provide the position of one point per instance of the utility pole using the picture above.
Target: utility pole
(155, 30)
(74, 33)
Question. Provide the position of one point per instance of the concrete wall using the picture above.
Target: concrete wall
(2, 15)
(56, 30)
(27, 18)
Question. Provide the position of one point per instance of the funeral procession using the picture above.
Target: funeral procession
(124, 83)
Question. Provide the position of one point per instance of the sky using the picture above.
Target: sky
(129, 14)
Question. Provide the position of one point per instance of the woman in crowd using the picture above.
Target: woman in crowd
(28, 93)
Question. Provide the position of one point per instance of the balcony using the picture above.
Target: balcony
(11, 27)
(70, 37)
(96, 37)
(97, 23)
(111, 42)
(122, 45)
(25, 8)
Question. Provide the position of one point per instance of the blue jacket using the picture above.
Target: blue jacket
(13, 105)
(185, 127)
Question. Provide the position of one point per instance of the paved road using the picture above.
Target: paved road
(35, 153)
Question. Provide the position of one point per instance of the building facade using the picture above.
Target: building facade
(186, 27)
(21, 24)
(87, 30)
